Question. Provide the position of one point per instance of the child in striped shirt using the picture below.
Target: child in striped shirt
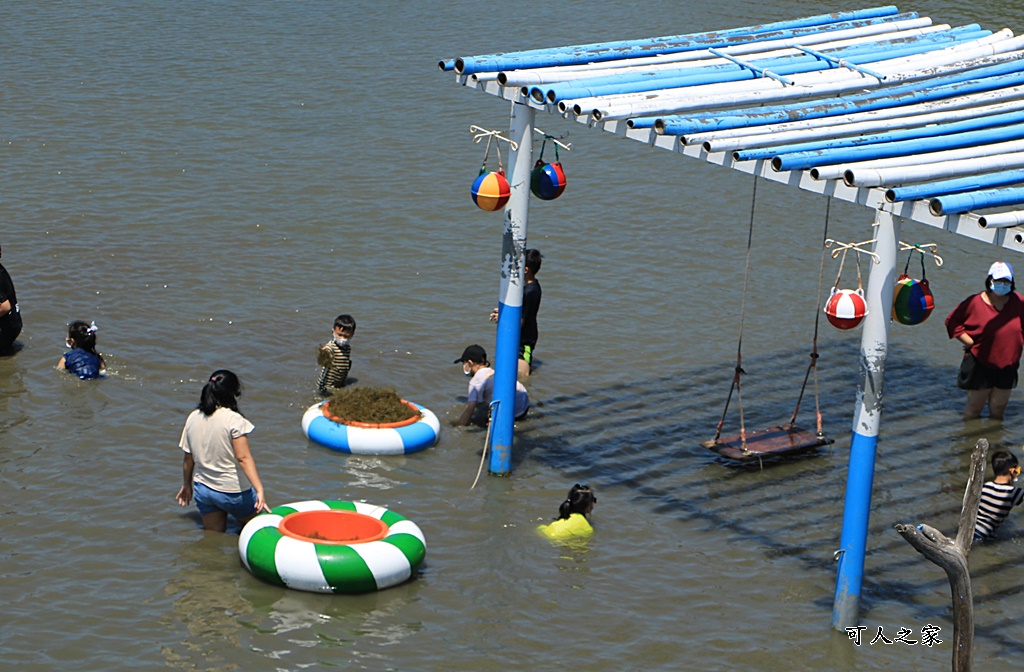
(999, 495)
(335, 356)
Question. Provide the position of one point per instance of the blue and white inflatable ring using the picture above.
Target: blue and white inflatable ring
(372, 440)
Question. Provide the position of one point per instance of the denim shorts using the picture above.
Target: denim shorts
(238, 504)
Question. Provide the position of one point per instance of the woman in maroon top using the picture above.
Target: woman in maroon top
(990, 326)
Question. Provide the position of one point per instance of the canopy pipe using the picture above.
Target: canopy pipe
(936, 131)
(616, 84)
(975, 54)
(833, 171)
(988, 78)
(805, 160)
(604, 51)
(955, 186)
(891, 30)
(957, 204)
(1002, 220)
(936, 168)
(919, 114)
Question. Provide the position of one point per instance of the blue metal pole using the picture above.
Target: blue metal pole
(510, 300)
(866, 421)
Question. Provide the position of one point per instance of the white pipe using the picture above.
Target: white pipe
(759, 91)
(838, 170)
(838, 130)
(746, 136)
(927, 172)
(564, 73)
(821, 82)
(1002, 220)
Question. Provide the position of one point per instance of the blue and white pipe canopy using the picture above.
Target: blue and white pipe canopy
(853, 104)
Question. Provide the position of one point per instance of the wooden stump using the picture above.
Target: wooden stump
(951, 555)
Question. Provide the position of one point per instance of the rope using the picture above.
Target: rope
(813, 366)
(487, 442)
(739, 346)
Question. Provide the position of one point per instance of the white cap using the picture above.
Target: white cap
(1000, 271)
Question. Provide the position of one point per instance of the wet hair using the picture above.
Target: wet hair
(1003, 461)
(222, 390)
(988, 284)
(579, 500)
(532, 259)
(345, 321)
(83, 335)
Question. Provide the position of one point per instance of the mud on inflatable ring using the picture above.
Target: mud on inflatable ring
(394, 438)
(332, 547)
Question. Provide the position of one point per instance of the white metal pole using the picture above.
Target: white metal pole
(866, 422)
(510, 300)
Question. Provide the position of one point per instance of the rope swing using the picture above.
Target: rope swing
(784, 439)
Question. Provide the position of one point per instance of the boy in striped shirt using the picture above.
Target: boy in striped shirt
(999, 495)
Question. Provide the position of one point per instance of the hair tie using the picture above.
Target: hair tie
(92, 328)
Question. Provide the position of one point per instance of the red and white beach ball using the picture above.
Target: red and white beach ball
(846, 308)
(491, 191)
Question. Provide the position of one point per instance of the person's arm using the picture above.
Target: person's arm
(60, 364)
(240, 445)
(5, 307)
(188, 466)
(467, 414)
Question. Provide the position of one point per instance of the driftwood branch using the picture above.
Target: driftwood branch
(952, 554)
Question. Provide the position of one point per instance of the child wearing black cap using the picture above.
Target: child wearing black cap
(481, 385)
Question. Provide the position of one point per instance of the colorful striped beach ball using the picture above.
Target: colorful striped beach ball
(846, 308)
(547, 180)
(912, 302)
(491, 191)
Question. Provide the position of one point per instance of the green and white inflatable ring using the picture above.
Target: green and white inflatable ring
(332, 547)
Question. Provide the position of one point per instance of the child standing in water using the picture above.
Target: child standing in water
(335, 356)
(572, 515)
(82, 360)
(999, 495)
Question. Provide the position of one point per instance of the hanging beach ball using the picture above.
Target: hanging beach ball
(846, 308)
(912, 302)
(547, 180)
(491, 191)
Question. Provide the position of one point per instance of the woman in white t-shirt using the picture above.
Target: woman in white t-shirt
(218, 469)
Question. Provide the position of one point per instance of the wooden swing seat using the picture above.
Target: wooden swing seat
(769, 442)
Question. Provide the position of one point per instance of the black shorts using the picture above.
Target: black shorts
(976, 376)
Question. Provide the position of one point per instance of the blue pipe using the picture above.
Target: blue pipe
(957, 204)
(853, 540)
(978, 80)
(929, 131)
(824, 157)
(955, 186)
(616, 84)
(506, 369)
(607, 51)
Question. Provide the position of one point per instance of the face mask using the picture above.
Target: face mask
(1000, 289)
(341, 341)
(67, 343)
(468, 372)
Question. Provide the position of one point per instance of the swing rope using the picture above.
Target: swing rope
(813, 366)
(739, 346)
